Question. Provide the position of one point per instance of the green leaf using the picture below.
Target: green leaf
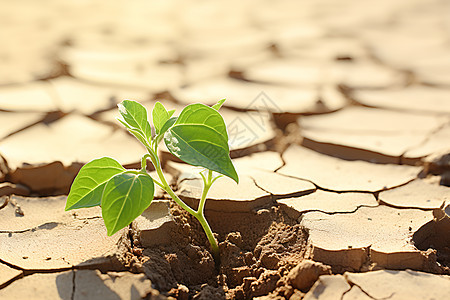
(125, 197)
(136, 132)
(168, 124)
(171, 112)
(199, 138)
(160, 116)
(166, 127)
(87, 188)
(135, 120)
(219, 104)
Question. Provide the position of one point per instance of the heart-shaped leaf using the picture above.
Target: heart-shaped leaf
(199, 138)
(125, 197)
(135, 120)
(87, 188)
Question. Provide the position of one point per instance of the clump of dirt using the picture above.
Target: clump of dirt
(258, 252)
(259, 271)
(434, 235)
(305, 274)
(184, 261)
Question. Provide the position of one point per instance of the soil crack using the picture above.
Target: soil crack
(366, 293)
(87, 218)
(5, 201)
(344, 293)
(343, 191)
(10, 265)
(26, 272)
(425, 140)
(394, 187)
(254, 181)
(285, 196)
(381, 202)
(47, 226)
(339, 212)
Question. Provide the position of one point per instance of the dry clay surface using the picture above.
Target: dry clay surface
(338, 118)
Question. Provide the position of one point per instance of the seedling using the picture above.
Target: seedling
(198, 136)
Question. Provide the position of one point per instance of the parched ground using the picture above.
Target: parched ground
(338, 115)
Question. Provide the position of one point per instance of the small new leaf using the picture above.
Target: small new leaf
(125, 197)
(171, 112)
(168, 124)
(166, 127)
(87, 188)
(160, 116)
(219, 104)
(199, 138)
(135, 120)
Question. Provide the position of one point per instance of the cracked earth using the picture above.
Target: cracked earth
(339, 121)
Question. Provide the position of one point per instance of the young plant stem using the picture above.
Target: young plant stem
(144, 169)
(199, 214)
(207, 182)
(210, 236)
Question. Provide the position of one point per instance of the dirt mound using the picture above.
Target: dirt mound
(255, 260)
